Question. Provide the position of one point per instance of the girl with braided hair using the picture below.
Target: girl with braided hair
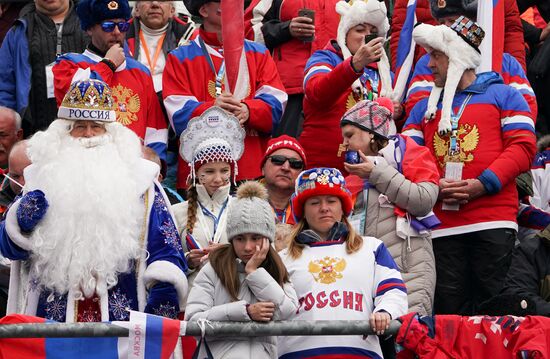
(212, 144)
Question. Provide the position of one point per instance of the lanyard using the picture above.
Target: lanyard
(153, 64)
(281, 216)
(220, 73)
(216, 220)
(453, 140)
(58, 50)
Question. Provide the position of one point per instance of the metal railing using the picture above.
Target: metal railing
(246, 329)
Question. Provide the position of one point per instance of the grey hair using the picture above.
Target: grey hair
(16, 116)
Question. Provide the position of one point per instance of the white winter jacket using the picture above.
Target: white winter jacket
(210, 300)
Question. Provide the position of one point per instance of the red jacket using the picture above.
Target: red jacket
(452, 336)
(189, 90)
(496, 139)
(267, 22)
(328, 95)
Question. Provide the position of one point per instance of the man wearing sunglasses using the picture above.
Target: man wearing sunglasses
(136, 103)
(283, 161)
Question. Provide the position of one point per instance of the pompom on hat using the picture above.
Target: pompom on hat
(444, 8)
(371, 12)
(373, 116)
(287, 142)
(460, 43)
(251, 212)
(89, 100)
(318, 182)
(92, 12)
(216, 135)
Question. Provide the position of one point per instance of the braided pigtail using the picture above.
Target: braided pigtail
(193, 204)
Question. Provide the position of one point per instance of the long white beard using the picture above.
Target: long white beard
(92, 227)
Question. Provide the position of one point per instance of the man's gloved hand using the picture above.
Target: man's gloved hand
(32, 208)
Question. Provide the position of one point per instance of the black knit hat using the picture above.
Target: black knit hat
(444, 8)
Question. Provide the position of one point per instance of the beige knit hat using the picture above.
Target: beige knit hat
(251, 212)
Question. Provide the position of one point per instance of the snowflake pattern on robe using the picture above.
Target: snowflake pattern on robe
(119, 305)
(56, 308)
(170, 234)
(159, 203)
(166, 310)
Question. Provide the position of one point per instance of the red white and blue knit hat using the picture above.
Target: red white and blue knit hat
(318, 182)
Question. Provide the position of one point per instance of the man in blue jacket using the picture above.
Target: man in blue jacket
(44, 30)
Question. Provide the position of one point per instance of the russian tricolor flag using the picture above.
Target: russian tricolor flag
(151, 337)
(405, 53)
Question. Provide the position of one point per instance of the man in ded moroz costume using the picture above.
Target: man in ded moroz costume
(91, 237)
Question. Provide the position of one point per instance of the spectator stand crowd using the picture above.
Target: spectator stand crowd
(363, 166)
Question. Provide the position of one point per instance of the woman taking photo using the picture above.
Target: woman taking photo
(337, 274)
(245, 279)
(212, 144)
(399, 187)
(352, 67)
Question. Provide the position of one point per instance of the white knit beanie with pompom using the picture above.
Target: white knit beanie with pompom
(251, 212)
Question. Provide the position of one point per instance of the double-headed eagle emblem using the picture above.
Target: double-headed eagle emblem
(327, 270)
(127, 105)
(467, 141)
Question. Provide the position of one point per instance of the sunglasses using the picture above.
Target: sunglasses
(109, 26)
(279, 160)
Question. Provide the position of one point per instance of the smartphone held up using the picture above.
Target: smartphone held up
(309, 13)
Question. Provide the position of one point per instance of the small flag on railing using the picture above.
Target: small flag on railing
(151, 337)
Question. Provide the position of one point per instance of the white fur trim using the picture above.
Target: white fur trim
(13, 230)
(104, 306)
(69, 313)
(141, 290)
(461, 56)
(14, 292)
(164, 271)
(360, 12)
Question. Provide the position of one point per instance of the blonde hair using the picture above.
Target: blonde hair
(354, 241)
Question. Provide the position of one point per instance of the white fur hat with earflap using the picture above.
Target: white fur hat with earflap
(371, 12)
(460, 43)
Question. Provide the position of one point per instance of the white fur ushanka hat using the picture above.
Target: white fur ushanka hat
(371, 12)
(460, 43)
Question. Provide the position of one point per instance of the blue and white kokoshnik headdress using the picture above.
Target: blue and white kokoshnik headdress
(216, 135)
(88, 100)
